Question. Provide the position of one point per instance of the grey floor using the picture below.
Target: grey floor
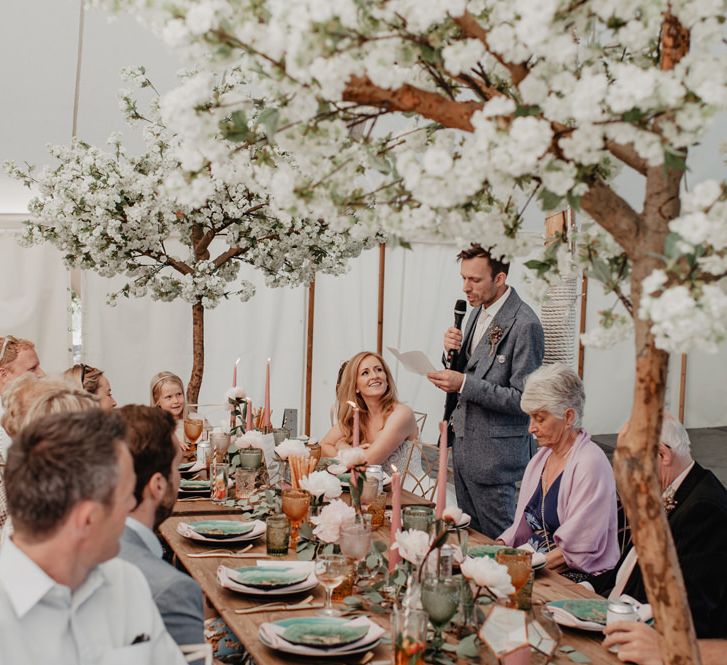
(709, 448)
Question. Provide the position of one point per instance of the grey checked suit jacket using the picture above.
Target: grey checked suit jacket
(178, 596)
(486, 417)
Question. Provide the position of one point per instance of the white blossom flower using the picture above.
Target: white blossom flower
(352, 457)
(235, 393)
(487, 573)
(251, 439)
(452, 514)
(292, 447)
(412, 545)
(322, 484)
(331, 519)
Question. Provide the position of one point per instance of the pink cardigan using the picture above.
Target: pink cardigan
(587, 535)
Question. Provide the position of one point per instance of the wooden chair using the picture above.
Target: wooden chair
(425, 484)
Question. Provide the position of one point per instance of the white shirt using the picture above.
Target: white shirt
(42, 621)
(483, 323)
(148, 537)
(631, 559)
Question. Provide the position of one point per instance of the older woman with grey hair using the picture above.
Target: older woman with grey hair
(567, 503)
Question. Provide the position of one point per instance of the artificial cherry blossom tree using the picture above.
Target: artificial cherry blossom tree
(110, 212)
(444, 115)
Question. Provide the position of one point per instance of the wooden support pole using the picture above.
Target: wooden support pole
(309, 354)
(682, 388)
(582, 326)
(380, 315)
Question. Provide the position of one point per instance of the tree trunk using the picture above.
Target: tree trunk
(195, 380)
(635, 461)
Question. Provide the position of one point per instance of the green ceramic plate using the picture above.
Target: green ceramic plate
(268, 577)
(221, 528)
(583, 609)
(194, 485)
(324, 634)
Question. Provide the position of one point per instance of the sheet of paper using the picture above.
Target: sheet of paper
(414, 361)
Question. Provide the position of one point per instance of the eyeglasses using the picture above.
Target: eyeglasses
(9, 339)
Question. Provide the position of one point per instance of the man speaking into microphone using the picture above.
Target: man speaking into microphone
(501, 345)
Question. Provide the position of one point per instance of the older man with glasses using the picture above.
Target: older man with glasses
(17, 356)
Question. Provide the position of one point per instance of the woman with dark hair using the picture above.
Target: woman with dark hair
(385, 423)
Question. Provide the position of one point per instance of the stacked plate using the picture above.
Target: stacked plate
(491, 551)
(463, 523)
(269, 578)
(321, 636)
(216, 531)
(345, 479)
(591, 613)
(194, 488)
(189, 469)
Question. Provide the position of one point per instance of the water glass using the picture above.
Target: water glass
(277, 535)
(245, 483)
(409, 635)
(218, 484)
(417, 517)
(440, 599)
(220, 444)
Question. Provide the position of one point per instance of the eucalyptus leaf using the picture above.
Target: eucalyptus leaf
(468, 647)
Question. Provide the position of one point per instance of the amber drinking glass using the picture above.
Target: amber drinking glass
(296, 503)
(193, 426)
(519, 564)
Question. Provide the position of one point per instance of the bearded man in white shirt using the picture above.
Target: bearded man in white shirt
(63, 597)
(17, 356)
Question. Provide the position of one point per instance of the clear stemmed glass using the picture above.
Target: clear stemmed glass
(295, 505)
(355, 542)
(440, 600)
(330, 570)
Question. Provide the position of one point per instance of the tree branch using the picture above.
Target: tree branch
(407, 99)
(628, 155)
(165, 259)
(471, 27)
(613, 213)
(226, 256)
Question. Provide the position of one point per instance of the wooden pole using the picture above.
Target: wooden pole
(582, 327)
(380, 316)
(309, 353)
(682, 388)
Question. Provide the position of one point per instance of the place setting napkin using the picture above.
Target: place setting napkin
(271, 634)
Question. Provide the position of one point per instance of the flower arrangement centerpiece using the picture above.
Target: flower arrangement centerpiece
(322, 486)
(351, 461)
(297, 455)
(236, 400)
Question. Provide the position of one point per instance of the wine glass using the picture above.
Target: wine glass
(193, 425)
(519, 565)
(355, 542)
(295, 505)
(440, 600)
(330, 571)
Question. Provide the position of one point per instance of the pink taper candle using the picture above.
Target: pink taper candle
(394, 556)
(356, 423)
(234, 374)
(248, 416)
(442, 474)
(266, 407)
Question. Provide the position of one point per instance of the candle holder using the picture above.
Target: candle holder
(251, 458)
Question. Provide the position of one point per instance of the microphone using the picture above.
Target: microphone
(460, 309)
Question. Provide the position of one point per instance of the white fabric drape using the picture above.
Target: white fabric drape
(34, 299)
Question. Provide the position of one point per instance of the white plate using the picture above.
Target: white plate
(224, 579)
(257, 531)
(367, 642)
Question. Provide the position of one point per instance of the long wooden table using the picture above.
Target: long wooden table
(548, 586)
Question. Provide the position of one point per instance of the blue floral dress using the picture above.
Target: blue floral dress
(541, 514)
